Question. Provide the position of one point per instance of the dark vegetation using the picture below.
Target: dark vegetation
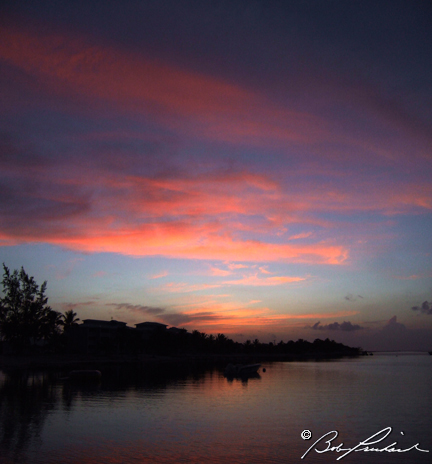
(29, 326)
(199, 342)
(26, 320)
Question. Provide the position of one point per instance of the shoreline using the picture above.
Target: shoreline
(59, 362)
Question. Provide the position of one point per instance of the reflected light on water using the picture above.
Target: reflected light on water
(197, 416)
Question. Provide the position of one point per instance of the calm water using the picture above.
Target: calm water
(140, 417)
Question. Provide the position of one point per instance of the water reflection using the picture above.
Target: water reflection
(160, 415)
(25, 401)
(244, 379)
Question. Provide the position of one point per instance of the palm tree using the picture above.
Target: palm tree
(69, 319)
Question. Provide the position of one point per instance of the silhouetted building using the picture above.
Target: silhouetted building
(177, 331)
(95, 336)
(148, 329)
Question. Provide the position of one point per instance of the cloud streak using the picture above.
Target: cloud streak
(220, 110)
(138, 309)
(255, 280)
(237, 215)
(230, 320)
(181, 217)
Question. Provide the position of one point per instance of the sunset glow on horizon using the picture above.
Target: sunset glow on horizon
(250, 168)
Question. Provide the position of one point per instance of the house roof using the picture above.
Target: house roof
(150, 325)
(106, 324)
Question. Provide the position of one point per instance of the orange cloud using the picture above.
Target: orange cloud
(236, 217)
(183, 242)
(183, 217)
(229, 317)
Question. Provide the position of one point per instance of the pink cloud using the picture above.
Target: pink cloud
(213, 319)
(204, 217)
(159, 275)
(99, 274)
(219, 272)
(219, 110)
(411, 277)
(264, 270)
(255, 281)
(182, 287)
(233, 266)
(180, 217)
(300, 236)
(227, 216)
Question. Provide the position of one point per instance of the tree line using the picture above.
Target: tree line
(199, 342)
(27, 322)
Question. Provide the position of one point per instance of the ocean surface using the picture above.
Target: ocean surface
(139, 416)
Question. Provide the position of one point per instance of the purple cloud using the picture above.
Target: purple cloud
(346, 326)
(425, 308)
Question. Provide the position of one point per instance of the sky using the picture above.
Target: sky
(260, 169)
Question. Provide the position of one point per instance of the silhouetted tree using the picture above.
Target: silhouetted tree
(25, 317)
(69, 319)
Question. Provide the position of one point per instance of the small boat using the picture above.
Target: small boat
(249, 369)
(242, 370)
